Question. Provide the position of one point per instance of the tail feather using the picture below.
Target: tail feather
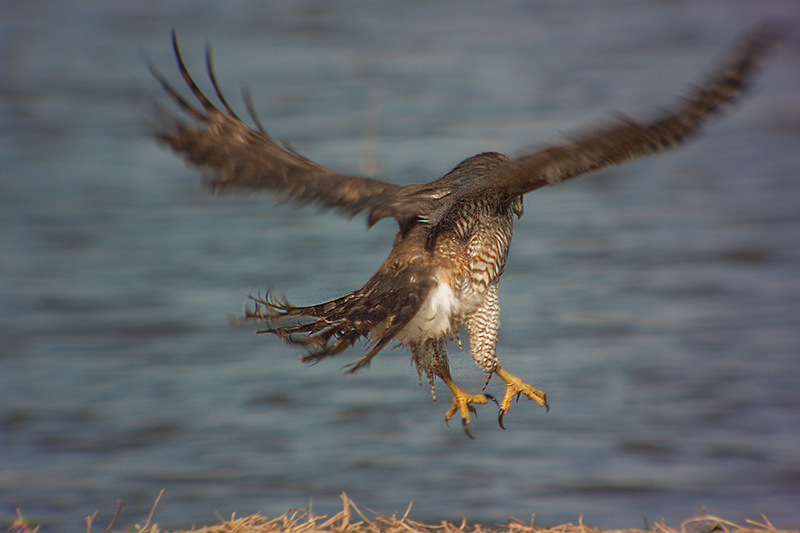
(376, 313)
(324, 329)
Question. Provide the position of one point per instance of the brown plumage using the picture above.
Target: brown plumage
(454, 232)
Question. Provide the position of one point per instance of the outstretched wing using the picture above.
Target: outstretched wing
(237, 155)
(627, 139)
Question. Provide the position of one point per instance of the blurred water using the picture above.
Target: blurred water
(657, 304)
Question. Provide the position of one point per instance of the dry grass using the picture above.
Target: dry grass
(352, 520)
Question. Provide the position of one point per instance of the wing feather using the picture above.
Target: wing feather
(239, 156)
(627, 139)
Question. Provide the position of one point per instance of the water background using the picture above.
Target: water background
(657, 304)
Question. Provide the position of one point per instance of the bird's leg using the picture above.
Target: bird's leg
(516, 387)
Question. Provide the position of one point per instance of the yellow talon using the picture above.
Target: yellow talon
(462, 402)
(516, 387)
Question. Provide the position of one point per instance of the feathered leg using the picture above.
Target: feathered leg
(483, 326)
(425, 357)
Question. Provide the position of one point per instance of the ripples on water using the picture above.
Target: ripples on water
(657, 304)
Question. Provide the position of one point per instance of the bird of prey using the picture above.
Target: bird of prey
(444, 268)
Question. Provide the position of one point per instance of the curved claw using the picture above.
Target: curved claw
(489, 396)
(500, 415)
(517, 388)
(465, 425)
(462, 404)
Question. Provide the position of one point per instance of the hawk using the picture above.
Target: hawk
(444, 268)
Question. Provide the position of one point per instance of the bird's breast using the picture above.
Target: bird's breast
(440, 314)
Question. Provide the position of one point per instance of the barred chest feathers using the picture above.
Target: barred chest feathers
(480, 261)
